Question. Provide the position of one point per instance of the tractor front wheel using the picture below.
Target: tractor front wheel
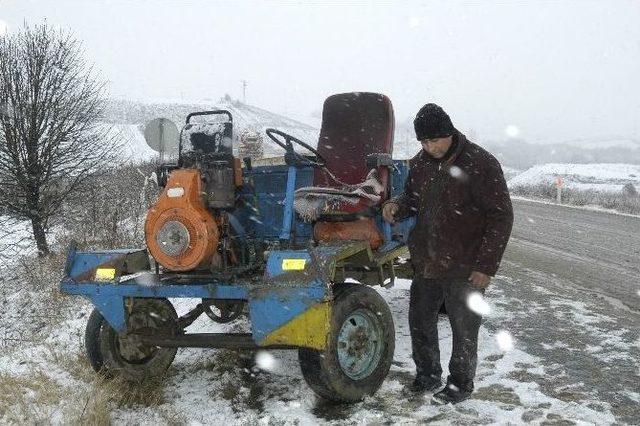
(359, 350)
(122, 354)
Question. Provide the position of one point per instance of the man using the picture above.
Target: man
(464, 217)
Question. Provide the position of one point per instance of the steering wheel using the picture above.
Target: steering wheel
(287, 145)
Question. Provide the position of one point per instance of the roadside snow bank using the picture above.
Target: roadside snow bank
(599, 177)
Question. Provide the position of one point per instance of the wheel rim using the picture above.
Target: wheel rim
(360, 344)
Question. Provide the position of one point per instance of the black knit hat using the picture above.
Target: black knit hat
(432, 122)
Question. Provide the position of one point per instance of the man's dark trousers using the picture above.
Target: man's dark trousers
(427, 296)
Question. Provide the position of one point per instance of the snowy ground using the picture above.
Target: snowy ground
(568, 293)
(15, 238)
(207, 386)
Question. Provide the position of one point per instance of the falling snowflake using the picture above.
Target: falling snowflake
(456, 172)
(477, 304)
(512, 131)
(265, 361)
(505, 341)
(414, 22)
(255, 219)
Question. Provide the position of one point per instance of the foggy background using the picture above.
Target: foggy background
(540, 72)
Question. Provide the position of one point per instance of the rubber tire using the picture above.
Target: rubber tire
(100, 340)
(321, 369)
(92, 340)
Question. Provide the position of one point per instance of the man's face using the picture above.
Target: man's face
(437, 147)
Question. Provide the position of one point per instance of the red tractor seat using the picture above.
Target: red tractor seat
(357, 130)
(356, 141)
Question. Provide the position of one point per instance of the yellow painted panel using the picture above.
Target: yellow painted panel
(293, 264)
(105, 274)
(309, 329)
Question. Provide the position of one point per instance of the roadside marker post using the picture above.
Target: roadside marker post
(559, 183)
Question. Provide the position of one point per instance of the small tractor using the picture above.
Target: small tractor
(296, 247)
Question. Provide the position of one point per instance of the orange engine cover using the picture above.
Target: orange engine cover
(181, 233)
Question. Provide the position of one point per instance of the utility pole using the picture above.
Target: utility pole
(244, 91)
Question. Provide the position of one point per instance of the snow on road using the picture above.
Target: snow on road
(209, 386)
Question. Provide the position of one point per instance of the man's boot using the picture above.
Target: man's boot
(425, 384)
(452, 394)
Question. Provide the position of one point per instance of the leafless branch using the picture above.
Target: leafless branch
(51, 139)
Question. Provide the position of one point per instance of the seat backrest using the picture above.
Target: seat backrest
(354, 125)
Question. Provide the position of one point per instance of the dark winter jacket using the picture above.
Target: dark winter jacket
(463, 208)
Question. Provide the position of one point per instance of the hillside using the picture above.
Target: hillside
(128, 118)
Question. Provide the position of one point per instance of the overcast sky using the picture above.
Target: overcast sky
(552, 70)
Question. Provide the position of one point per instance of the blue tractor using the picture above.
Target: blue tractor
(297, 247)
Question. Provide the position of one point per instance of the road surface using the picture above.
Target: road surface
(595, 250)
(573, 278)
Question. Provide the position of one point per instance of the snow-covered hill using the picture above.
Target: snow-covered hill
(128, 118)
(600, 177)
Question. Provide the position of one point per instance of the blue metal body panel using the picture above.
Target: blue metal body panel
(85, 263)
(288, 204)
(276, 258)
(274, 307)
(263, 213)
(166, 289)
(288, 293)
(108, 298)
(263, 210)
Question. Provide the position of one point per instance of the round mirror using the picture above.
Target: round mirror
(162, 135)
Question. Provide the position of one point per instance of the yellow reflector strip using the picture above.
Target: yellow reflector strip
(293, 264)
(105, 274)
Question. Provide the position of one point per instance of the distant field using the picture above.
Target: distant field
(598, 185)
(580, 197)
(598, 177)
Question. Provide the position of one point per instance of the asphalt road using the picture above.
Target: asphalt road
(595, 250)
(568, 289)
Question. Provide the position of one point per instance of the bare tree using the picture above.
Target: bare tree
(50, 137)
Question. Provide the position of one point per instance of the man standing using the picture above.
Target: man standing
(464, 217)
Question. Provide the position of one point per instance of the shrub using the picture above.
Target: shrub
(111, 209)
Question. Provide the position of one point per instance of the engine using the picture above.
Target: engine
(185, 226)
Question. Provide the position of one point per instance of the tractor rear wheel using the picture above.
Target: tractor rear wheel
(359, 350)
(122, 354)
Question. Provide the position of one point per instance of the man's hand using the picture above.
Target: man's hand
(480, 280)
(389, 211)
